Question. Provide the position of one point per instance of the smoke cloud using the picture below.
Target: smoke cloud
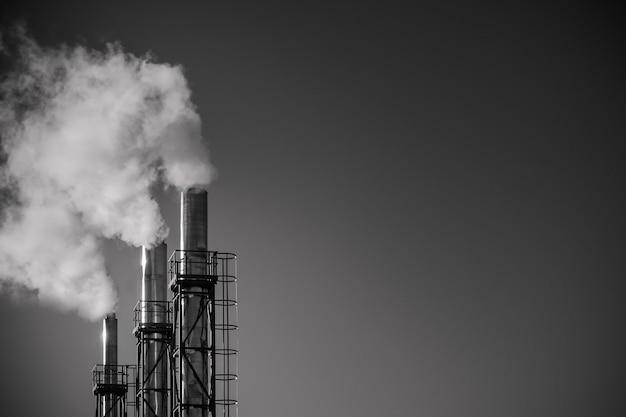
(85, 134)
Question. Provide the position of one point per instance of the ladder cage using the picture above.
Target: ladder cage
(204, 365)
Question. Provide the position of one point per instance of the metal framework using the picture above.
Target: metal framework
(154, 350)
(204, 380)
(111, 386)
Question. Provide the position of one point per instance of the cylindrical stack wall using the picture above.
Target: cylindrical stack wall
(154, 306)
(154, 284)
(193, 220)
(194, 368)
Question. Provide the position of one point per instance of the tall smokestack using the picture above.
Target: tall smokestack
(195, 378)
(153, 333)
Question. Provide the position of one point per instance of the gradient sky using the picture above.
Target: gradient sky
(426, 199)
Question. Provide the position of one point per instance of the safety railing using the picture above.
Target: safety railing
(110, 375)
(152, 312)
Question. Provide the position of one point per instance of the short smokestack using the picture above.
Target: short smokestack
(109, 344)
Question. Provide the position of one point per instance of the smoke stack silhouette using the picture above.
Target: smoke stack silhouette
(84, 136)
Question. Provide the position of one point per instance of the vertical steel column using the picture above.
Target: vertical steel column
(154, 332)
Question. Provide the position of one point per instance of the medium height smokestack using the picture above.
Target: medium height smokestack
(153, 333)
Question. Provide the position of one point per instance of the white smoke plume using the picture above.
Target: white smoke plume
(85, 134)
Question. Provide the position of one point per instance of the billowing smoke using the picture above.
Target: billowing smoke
(85, 134)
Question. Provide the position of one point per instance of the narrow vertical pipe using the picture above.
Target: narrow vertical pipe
(109, 345)
(195, 379)
(154, 318)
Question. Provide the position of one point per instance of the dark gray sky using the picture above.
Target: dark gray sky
(426, 201)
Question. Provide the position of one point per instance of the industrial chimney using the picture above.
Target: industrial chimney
(110, 379)
(109, 357)
(203, 284)
(153, 329)
(194, 288)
